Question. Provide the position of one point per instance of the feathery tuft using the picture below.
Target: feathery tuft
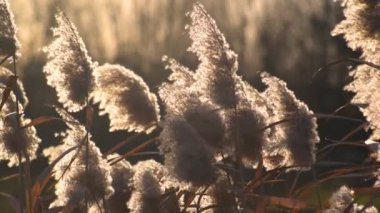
(147, 194)
(208, 121)
(151, 193)
(18, 89)
(245, 129)
(126, 98)
(343, 201)
(186, 155)
(223, 196)
(180, 75)
(361, 27)
(71, 175)
(367, 95)
(9, 44)
(122, 181)
(69, 67)
(246, 123)
(14, 139)
(176, 94)
(293, 140)
(216, 74)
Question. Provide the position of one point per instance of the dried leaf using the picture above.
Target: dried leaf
(40, 120)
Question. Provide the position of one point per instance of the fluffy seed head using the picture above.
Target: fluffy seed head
(18, 89)
(71, 174)
(216, 74)
(208, 121)
(361, 27)
(122, 174)
(14, 139)
(292, 141)
(343, 201)
(151, 191)
(245, 131)
(246, 123)
(146, 197)
(223, 196)
(126, 98)
(186, 155)
(176, 93)
(365, 86)
(69, 67)
(9, 45)
(181, 75)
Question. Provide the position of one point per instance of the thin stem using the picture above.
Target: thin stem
(87, 155)
(200, 199)
(24, 152)
(27, 182)
(20, 179)
(4, 59)
(315, 115)
(129, 140)
(133, 151)
(354, 60)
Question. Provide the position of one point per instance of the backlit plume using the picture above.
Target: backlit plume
(361, 29)
(69, 67)
(343, 201)
(9, 45)
(126, 98)
(216, 74)
(293, 141)
(75, 182)
(186, 155)
(14, 139)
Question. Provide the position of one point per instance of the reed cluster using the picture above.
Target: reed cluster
(223, 145)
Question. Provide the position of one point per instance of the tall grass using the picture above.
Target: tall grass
(220, 144)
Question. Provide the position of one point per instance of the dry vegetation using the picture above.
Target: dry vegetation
(225, 145)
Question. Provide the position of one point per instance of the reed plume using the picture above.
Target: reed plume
(150, 190)
(246, 123)
(216, 74)
(18, 89)
(176, 93)
(16, 141)
(9, 44)
(186, 155)
(361, 29)
(122, 174)
(293, 141)
(69, 67)
(82, 173)
(126, 98)
(343, 201)
(182, 99)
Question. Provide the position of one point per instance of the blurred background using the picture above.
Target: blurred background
(288, 38)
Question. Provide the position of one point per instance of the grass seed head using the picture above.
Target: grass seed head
(186, 155)
(126, 98)
(216, 74)
(295, 138)
(9, 44)
(14, 139)
(69, 67)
